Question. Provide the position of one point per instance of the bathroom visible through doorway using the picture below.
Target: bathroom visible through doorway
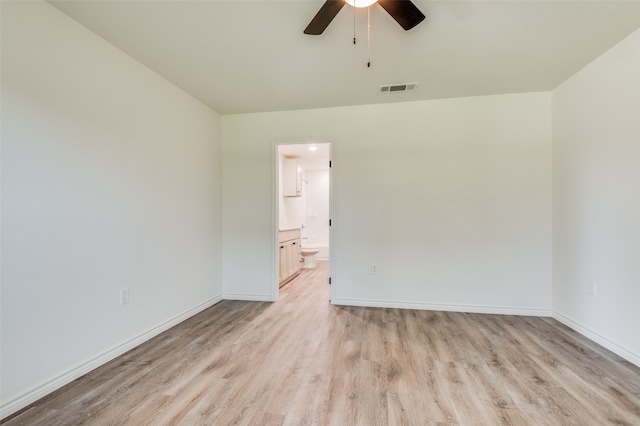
(303, 192)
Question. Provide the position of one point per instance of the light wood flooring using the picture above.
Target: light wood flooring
(302, 361)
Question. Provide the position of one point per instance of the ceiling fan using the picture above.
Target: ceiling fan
(403, 11)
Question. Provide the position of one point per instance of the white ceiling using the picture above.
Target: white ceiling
(252, 56)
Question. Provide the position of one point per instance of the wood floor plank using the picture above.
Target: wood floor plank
(302, 361)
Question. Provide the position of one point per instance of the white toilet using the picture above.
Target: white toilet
(309, 256)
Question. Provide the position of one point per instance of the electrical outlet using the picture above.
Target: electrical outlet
(124, 295)
(593, 288)
(374, 268)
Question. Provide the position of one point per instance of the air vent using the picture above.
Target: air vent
(404, 87)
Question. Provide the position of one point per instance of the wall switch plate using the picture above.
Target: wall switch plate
(593, 288)
(374, 268)
(124, 295)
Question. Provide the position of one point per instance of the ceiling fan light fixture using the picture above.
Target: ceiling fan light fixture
(404, 12)
(360, 3)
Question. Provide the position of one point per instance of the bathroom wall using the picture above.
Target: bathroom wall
(451, 198)
(317, 209)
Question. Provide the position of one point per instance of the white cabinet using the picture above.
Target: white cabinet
(289, 255)
(291, 178)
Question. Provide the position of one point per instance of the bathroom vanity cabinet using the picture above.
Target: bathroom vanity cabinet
(291, 178)
(289, 254)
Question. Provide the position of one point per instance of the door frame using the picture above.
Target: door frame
(275, 222)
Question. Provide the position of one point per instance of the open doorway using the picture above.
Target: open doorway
(303, 213)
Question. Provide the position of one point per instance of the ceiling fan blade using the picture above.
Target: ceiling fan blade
(403, 11)
(323, 18)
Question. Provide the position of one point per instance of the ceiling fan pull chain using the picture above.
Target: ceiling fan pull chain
(354, 25)
(369, 37)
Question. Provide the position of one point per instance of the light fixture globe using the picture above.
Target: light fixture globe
(360, 3)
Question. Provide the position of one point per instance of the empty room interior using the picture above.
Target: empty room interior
(482, 262)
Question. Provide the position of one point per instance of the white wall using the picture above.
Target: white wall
(451, 198)
(596, 199)
(111, 178)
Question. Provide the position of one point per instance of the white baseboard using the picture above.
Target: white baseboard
(249, 297)
(49, 386)
(599, 339)
(477, 309)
